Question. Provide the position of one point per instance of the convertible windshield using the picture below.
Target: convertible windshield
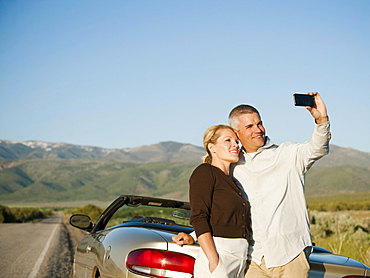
(143, 213)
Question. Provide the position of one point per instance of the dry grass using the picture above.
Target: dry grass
(344, 233)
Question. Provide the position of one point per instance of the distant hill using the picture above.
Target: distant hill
(164, 151)
(342, 171)
(92, 179)
(342, 179)
(35, 171)
(345, 156)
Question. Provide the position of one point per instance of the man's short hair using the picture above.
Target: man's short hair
(238, 111)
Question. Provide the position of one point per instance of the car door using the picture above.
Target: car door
(84, 259)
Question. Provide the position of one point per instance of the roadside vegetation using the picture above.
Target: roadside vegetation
(341, 224)
(340, 202)
(345, 233)
(342, 228)
(90, 210)
(21, 215)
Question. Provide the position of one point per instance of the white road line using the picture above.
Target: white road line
(37, 265)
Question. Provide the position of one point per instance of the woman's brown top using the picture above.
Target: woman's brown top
(217, 204)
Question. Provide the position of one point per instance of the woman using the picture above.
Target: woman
(219, 213)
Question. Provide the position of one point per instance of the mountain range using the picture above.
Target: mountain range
(36, 171)
(165, 151)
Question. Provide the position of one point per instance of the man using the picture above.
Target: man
(273, 178)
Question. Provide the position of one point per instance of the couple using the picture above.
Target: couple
(253, 199)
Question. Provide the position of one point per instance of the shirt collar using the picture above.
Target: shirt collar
(268, 144)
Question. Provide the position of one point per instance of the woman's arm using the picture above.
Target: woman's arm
(200, 195)
(208, 246)
(201, 191)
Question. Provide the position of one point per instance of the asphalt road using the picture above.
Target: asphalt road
(37, 250)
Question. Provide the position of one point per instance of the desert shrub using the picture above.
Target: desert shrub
(27, 214)
(340, 205)
(6, 215)
(91, 210)
(343, 233)
(321, 226)
(19, 215)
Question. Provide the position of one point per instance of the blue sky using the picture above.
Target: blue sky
(122, 74)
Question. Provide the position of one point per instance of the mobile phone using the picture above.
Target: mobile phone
(304, 100)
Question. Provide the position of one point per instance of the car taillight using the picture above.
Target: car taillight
(158, 263)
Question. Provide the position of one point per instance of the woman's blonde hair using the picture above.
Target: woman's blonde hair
(210, 137)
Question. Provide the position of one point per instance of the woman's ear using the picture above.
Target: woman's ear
(211, 148)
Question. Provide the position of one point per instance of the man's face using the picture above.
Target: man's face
(251, 132)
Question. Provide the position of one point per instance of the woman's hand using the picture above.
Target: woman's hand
(213, 264)
(182, 238)
(208, 246)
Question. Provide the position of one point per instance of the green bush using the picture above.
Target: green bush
(339, 205)
(91, 210)
(20, 215)
(6, 215)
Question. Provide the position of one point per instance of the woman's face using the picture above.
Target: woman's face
(226, 147)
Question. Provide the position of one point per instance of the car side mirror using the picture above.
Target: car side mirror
(81, 221)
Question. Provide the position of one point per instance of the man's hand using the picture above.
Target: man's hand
(182, 238)
(319, 110)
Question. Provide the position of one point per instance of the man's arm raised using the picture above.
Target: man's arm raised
(318, 112)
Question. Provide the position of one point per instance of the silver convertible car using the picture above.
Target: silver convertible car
(133, 238)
